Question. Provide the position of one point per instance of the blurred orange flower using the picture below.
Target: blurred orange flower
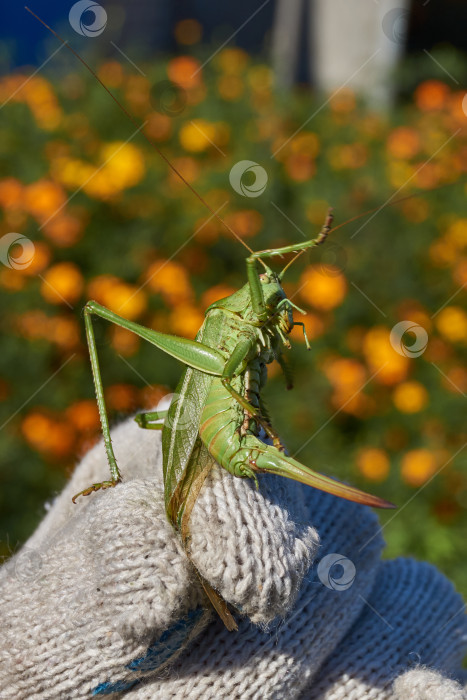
(245, 223)
(11, 193)
(186, 320)
(410, 397)
(64, 230)
(188, 31)
(62, 283)
(43, 199)
(300, 167)
(343, 101)
(416, 210)
(347, 377)
(185, 71)
(124, 341)
(84, 415)
(323, 291)
(48, 434)
(403, 142)
(230, 87)
(388, 366)
(170, 279)
(219, 291)
(158, 126)
(431, 95)
(417, 466)
(111, 73)
(373, 463)
(121, 397)
(122, 298)
(40, 260)
(348, 156)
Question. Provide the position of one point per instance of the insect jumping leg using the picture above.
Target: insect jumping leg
(190, 352)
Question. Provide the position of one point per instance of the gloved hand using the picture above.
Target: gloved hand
(102, 599)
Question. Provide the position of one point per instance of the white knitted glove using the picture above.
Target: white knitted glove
(103, 601)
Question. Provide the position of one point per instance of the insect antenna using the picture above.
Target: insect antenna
(363, 214)
(135, 122)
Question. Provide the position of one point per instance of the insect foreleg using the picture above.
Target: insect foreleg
(296, 247)
(307, 342)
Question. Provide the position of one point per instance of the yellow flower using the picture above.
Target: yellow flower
(197, 135)
(410, 397)
(123, 164)
(452, 323)
(388, 366)
(62, 283)
(232, 60)
(373, 463)
(323, 291)
(456, 234)
(417, 466)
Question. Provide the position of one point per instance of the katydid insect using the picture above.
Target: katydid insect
(225, 371)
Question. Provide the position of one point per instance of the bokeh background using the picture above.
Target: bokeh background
(104, 218)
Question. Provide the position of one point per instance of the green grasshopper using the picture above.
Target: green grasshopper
(225, 372)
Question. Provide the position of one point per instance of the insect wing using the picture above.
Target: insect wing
(181, 427)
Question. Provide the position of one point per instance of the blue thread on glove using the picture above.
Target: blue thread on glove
(158, 653)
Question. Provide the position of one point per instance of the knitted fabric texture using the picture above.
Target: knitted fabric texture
(103, 601)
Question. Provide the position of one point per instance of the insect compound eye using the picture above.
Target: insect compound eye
(264, 278)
